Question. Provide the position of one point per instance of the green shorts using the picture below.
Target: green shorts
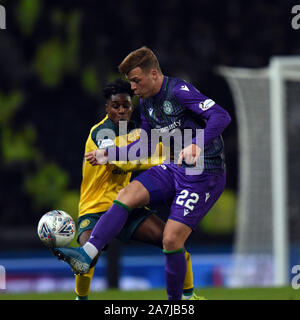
(135, 218)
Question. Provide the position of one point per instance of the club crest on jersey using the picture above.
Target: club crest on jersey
(105, 143)
(167, 107)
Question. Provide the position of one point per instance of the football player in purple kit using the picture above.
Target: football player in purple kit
(166, 104)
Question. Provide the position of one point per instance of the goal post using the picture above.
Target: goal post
(262, 103)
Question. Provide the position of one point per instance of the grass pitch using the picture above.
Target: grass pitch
(283, 293)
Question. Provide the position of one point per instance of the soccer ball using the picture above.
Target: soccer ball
(56, 228)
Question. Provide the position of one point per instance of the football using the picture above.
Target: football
(56, 228)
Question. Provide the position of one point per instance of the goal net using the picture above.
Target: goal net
(267, 103)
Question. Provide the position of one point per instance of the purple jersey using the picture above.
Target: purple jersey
(179, 105)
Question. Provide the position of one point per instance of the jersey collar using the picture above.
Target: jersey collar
(162, 89)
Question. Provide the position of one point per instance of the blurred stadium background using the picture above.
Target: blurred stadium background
(54, 58)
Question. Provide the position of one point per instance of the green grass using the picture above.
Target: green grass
(284, 293)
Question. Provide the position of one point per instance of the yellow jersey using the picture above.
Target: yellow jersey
(101, 184)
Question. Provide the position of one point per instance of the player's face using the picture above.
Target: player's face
(119, 107)
(143, 83)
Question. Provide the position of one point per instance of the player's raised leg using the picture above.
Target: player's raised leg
(109, 225)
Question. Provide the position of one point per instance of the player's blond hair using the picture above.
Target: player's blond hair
(143, 58)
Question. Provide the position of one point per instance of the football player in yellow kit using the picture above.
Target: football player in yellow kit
(101, 184)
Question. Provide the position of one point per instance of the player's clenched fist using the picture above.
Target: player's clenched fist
(190, 154)
(91, 158)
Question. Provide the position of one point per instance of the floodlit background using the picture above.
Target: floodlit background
(55, 56)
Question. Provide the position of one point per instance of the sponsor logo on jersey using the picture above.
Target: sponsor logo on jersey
(208, 103)
(170, 127)
(119, 172)
(167, 107)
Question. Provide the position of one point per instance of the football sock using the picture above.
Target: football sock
(188, 286)
(107, 227)
(90, 250)
(83, 283)
(175, 270)
(187, 294)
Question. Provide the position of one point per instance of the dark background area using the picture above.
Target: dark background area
(55, 56)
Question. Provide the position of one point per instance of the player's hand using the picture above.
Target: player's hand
(91, 158)
(190, 154)
(101, 156)
(96, 157)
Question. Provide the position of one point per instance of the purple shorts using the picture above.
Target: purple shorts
(190, 197)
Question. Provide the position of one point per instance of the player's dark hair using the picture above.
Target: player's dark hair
(143, 58)
(117, 86)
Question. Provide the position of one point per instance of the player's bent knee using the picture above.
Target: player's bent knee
(172, 243)
(126, 198)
